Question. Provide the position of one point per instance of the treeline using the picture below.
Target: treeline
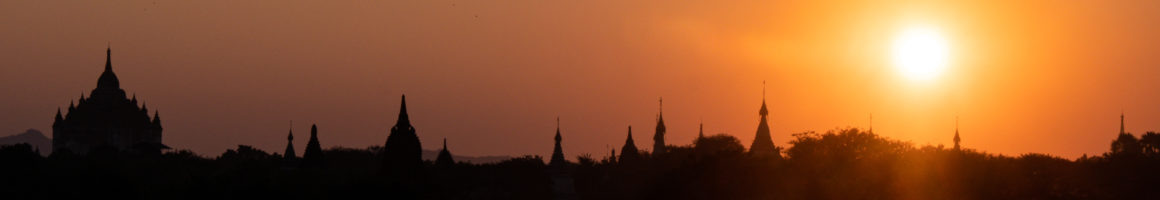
(838, 164)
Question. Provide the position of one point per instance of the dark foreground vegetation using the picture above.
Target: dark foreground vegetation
(840, 164)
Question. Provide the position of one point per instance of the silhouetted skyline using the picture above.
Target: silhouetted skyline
(486, 74)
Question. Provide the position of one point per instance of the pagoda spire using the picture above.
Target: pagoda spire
(157, 117)
(659, 137)
(1122, 131)
(629, 153)
(108, 79)
(957, 139)
(444, 158)
(404, 118)
(59, 118)
(701, 130)
(762, 141)
(313, 156)
(108, 58)
(763, 112)
(558, 151)
(289, 153)
(402, 151)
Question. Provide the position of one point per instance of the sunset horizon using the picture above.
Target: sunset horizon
(971, 84)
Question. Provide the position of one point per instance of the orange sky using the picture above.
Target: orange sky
(491, 76)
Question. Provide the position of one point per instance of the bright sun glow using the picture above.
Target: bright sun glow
(920, 53)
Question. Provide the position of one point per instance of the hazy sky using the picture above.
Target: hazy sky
(492, 76)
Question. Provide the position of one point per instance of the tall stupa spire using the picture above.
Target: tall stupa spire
(289, 153)
(763, 112)
(1122, 131)
(402, 152)
(558, 151)
(957, 139)
(762, 141)
(659, 137)
(701, 129)
(444, 158)
(404, 119)
(108, 79)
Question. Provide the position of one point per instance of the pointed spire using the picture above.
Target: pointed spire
(134, 100)
(290, 134)
(289, 153)
(558, 138)
(872, 122)
(402, 151)
(1122, 131)
(763, 112)
(762, 141)
(629, 140)
(108, 79)
(629, 152)
(957, 139)
(59, 118)
(444, 158)
(82, 100)
(404, 119)
(157, 117)
(659, 136)
(558, 152)
(144, 109)
(71, 107)
(109, 58)
(313, 156)
(701, 130)
(314, 132)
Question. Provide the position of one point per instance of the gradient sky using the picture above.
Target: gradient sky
(491, 76)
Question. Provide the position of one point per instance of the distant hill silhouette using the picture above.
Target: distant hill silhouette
(432, 154)
(32, 137)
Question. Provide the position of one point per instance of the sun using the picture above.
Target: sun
(920, 53)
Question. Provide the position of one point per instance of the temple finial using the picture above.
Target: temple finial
(1122, 131)
(290, 134)
(701, 129)
(109, 57)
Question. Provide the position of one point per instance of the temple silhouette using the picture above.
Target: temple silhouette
(313, 157)
(444, 158)
(99, 143)
(762, 141)
(107, 119)
(402, 152)
(558, 152)
(659, 136)
(629, 154)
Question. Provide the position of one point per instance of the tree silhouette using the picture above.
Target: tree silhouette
(1150, 143)
(1126, 145)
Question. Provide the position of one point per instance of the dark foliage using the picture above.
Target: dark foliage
(838, 164)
